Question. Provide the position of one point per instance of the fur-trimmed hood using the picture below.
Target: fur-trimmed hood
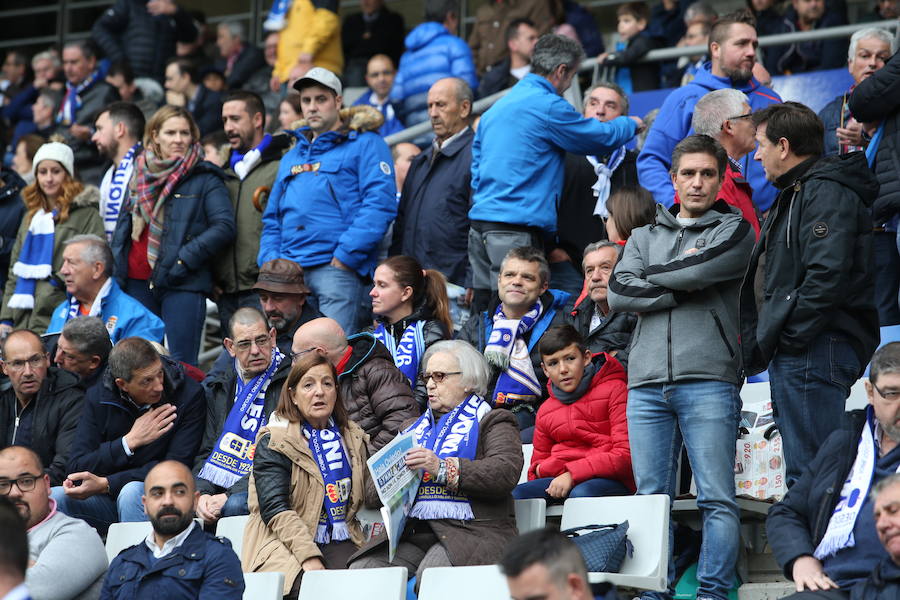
(354, 118)
(89, 196)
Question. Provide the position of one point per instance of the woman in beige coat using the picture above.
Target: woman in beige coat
(308, 480)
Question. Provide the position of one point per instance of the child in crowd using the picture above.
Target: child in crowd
(581, 433)
(634, 43)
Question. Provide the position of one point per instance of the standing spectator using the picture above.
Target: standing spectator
(239, 58)
(521, 36)
(58, 207)
(121, 77)
(144, 34)
(518, 158)
(374, 30)
(258, 82)
(177, 219)
(403, 155)
(431, 220)
(83, 348)
(380, 74)
(310, 36)
(117, 133)
(817, 325)
(634, 43)
(492, 20)
(12, 209)
(15, 75)
(337, 155)
(46, 66)
(667, 21)
(682, 276)
(204, 104)
(289, 111)
(585, 26)
(802, 57)
(732, 51)
(433, 52)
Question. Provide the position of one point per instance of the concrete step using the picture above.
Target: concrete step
(765, 591)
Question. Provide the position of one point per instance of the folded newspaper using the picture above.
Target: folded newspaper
(397, 485)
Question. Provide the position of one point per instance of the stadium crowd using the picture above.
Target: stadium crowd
(537, 274)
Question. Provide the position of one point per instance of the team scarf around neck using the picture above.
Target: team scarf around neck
(72, 101)
(327, 447)
(506, 350)
(153, 183)
(244, 163)
(602, 186)
(35, 260)
(232, 456)
(455, 434)
(114, 190)
(408, 351)
(94, 310)
(839, 534)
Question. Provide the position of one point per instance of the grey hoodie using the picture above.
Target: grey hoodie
(687, 327)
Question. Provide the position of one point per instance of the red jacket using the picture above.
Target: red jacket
(737, 192)
(588, 438)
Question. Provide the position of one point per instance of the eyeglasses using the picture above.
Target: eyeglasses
(24, 483)
(438, 376)
(35, 362)
(746, 116)
(891, 395)
(244, 345)
(295, 356)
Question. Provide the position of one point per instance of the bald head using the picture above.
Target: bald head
(323, 335)
(449, 106)
(170, 499)
(169, 469)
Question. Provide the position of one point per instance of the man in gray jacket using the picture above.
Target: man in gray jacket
(682, 275)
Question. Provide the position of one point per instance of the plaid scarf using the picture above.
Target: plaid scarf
(153, 182)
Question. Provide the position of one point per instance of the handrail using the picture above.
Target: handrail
(480, 106)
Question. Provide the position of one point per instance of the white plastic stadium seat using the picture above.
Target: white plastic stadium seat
(531, 514)
(263, 586)
(471, 583)
(648, 530)
(232, 528)
(125, 535)
(352, 584)
(527, 451)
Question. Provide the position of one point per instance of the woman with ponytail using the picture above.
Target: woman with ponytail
(412, 312)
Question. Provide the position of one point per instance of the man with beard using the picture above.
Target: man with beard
(52, 536)
(118, 132)
(177, 560)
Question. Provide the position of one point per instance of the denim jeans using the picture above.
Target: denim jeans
(339, 294)
(592, 488)
(487, 249)
(182, 312)
(565, 276)
(102, 510)
(809, 393)
(236, 505)
(704, 417)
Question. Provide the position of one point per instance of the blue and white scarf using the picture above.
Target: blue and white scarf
(35, 261)
(242, 164)
(506, 350)
(328, 450)
(72, 102)
(94, 310)
(602, 186)
(409, 351)
(114, 190)
(232, 456)
(277, 18)
(455, 434)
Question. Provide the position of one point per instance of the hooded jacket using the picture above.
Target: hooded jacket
(588, 437)
(673, 124)
(84, 217)
(686, 300)
(818, 275)
(883, 584)
(334, 196)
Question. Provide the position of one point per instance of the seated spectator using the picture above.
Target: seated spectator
(216, 148)
(41, 408)
(545, 564)
(375, 392)
(43, 122)
(802, 57)
(23, 165)
(14, 558)
(289, 111)
(462, 514)
(213, 79)
(492, 20)
(508, 332)
(412, 312)
(833, 558)
(121, 77)
(144, 411)
(239, 58)
(258, 82)
(629, 208)
(580, 433)
(83, 348)
(725, 116)
(884, 9)
(16, 76)
(12, 209)
(57, 205)
(869, 50)
(634, 43)
(205, 105)
(238, 404)
(432, 223)
(309, 36)
(521, 36)
(304, 519)
(884, 583)
(47, 72)
(165, 255)
(170, 503)
(67, 558)
(603, 329)
(433, 52)
(91, 291)
(380, 75)
(375, 30)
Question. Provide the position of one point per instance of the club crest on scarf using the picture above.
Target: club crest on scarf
(410, 349)
(506, 350)
(328, 450)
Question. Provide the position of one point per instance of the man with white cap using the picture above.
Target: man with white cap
(333, 198)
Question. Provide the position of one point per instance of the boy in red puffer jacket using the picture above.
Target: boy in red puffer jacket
(581, 433)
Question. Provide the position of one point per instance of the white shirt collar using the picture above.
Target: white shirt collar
(170, 545)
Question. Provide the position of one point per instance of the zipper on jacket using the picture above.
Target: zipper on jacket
(19, 416)
(721, 329)
(669, 345)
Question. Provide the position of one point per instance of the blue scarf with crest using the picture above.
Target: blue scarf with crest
(327, 447)
(409, 351)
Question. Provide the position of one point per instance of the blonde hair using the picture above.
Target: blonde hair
(160, 117)
(35, 198)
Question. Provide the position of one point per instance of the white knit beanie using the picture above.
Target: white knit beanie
(57, 151)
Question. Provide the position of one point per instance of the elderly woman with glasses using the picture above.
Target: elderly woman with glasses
(471, 456)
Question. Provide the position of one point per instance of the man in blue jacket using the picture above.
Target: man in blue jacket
(732, 49)
(518, 156)
(333, 198)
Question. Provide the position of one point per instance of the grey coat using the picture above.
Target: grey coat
(687, 302)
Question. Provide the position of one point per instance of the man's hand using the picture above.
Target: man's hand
(852, 134)
(151, 426)
(81, 132)
(558, 255)
(640, 123)
(161, 7)
(91, 485)
(808, 574)
(275, 83)
(313, 564)
(209, 506)
(561, 485)
(339, 265)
